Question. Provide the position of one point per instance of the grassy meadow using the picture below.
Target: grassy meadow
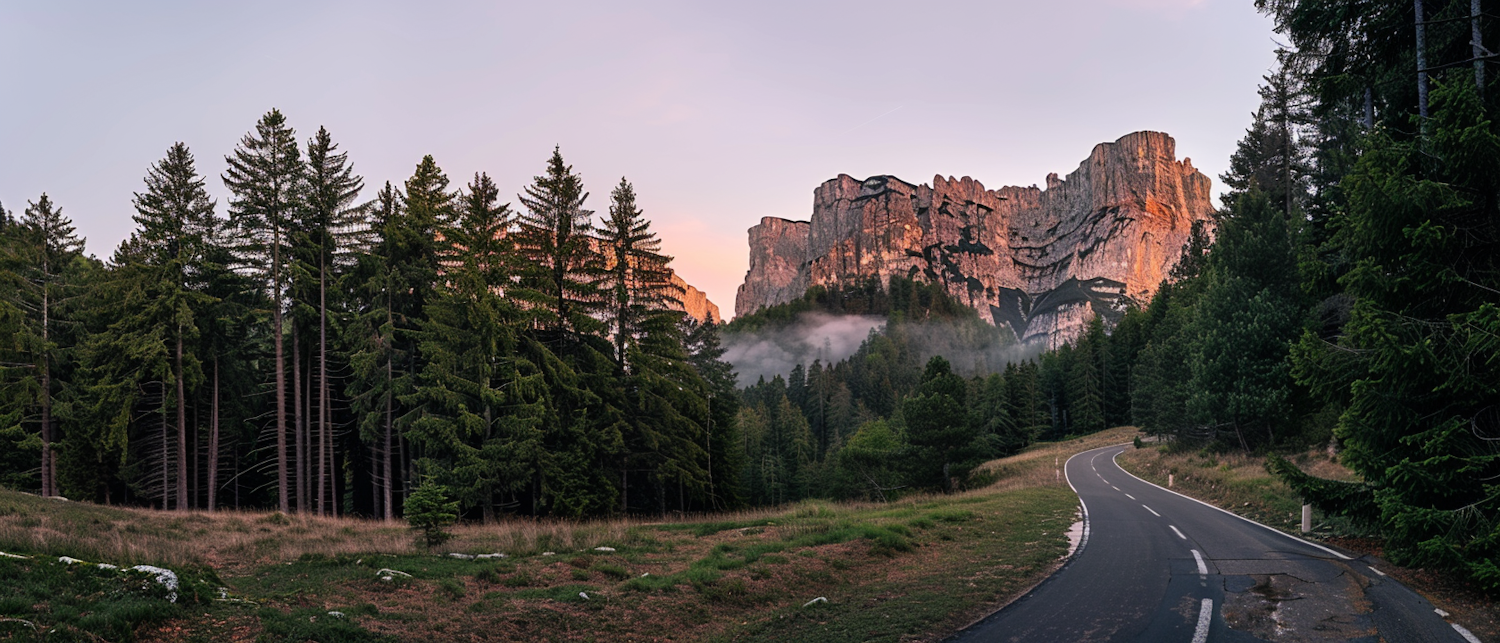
(914, 569)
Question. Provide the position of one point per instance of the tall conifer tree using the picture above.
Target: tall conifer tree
(266, 177)
(177, 227)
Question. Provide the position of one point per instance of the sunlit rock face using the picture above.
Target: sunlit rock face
(1039, 260)
(695, 302)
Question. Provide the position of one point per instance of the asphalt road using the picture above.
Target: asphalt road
(1155, 566)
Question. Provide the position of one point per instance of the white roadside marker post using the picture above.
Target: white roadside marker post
(1306, 518)
(1170, 478)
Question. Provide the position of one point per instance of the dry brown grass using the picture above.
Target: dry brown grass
(1041, 464)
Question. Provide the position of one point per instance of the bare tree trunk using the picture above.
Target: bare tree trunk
(213, 442)
(281, 472)
(166, 450)
(1421, 60)
(182, 471)
(48, 471)
(1478, 46)
(299, 423)
(325, 440)
(1369, 108)
(390, 511)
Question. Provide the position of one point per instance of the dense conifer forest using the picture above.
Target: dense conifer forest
(310, 349)
(309, 346)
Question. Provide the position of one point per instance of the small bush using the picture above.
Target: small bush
(519, 579)
(428, 510)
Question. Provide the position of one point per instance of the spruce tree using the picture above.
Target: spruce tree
(324, 237)
(266, 177)
(176, 228)
(563, 271)
(480, 430)
(45, 248)
(374, 354)
(639, 282)
(937, 425)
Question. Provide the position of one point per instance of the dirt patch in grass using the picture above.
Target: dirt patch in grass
(1241, 484)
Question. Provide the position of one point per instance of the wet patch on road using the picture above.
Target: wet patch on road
(1297, 600)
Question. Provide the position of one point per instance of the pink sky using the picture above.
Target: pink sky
(720, 113)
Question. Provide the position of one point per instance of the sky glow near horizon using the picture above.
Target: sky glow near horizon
(719, 113)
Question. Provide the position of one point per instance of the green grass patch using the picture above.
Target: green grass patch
(315, 624)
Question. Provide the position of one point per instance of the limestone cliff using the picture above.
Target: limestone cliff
(1041, 261)
(695, 302)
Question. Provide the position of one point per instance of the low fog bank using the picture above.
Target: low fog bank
(973, 347)
(815, 335)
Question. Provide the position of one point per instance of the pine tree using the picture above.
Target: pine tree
(937, 425)
(46, 246)
(177, 226)
(266, 176)
(327, 231)
(374, 353)
(726, 446)
(563, 269)
(639, 283)
(480, 431)
(1414, 363)
(1085, 399)
(1249, 315)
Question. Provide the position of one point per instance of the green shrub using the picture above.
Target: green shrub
(428, 510)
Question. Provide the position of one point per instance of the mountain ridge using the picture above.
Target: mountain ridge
(1041, 261)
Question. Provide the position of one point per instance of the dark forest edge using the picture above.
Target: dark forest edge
(313, 352)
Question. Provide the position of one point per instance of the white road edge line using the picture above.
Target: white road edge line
(1153, 511)
(1084, 541)
(1468, 636)
(1179, 533)
(1270, 529)
(1372, 568)
(1205, 618)
(1440, 612)
(1202, 568)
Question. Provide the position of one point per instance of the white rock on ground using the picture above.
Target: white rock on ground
(164, 577)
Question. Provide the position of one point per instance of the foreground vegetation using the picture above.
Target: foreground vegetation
(913, 569)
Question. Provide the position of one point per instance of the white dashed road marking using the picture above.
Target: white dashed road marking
(1153, 511)
(1179, 534)
(1205, 618)
(1202, 568)
(1130, 496)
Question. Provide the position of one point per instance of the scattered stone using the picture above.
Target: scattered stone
(584, 595)
(549, 553)
(487, 556)
(604, 549)
(815, 601)
(5, 555)
(336, 614)
(461, 556)
(164, 577)
(69, 560)
(108, 566)
(386, 573)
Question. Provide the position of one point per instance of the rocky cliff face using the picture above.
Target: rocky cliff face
(1041, 261)
(695, 302)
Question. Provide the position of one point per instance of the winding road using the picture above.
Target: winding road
(1155, 566)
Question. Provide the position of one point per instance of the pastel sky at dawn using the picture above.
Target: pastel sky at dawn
(719, 112)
